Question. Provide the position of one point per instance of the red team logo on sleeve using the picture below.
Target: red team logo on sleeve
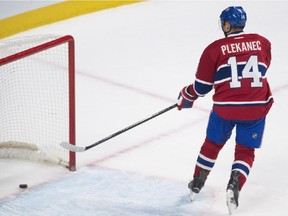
(236, 67)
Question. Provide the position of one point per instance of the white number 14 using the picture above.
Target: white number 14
(250, 70)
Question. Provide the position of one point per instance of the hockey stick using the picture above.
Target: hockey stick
(74, 148)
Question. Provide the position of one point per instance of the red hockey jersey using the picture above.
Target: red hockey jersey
(236, 67)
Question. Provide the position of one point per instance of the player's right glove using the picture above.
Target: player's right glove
(185, 99)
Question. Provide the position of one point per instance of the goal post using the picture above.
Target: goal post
(37, 98)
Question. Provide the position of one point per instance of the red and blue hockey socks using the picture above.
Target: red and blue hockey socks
(243, 159)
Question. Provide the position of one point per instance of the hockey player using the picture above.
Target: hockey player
(235, 67)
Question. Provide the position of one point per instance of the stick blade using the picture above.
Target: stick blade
(71, 147)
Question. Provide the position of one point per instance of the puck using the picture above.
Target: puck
(23, 186)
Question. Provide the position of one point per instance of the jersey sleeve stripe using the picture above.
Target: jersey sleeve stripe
(201, 87)
(204, 82)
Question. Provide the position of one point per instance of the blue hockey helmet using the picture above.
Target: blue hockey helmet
(235, 15)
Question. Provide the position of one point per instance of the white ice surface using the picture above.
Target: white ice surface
(131, 62)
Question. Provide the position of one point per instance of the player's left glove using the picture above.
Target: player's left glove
(185, 99)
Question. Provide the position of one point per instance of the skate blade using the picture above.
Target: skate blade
(192, 195)
(231, 204)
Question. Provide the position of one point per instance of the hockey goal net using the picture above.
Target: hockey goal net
(37, 98)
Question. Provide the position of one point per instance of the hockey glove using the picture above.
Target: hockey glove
(185, 99)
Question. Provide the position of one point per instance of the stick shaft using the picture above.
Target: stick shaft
(130, 127)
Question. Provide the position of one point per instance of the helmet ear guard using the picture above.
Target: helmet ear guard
(236, 16)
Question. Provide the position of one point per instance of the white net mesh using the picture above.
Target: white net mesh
(34, 97)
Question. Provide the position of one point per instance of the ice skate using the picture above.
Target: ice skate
(197, 183)
(232, 192)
